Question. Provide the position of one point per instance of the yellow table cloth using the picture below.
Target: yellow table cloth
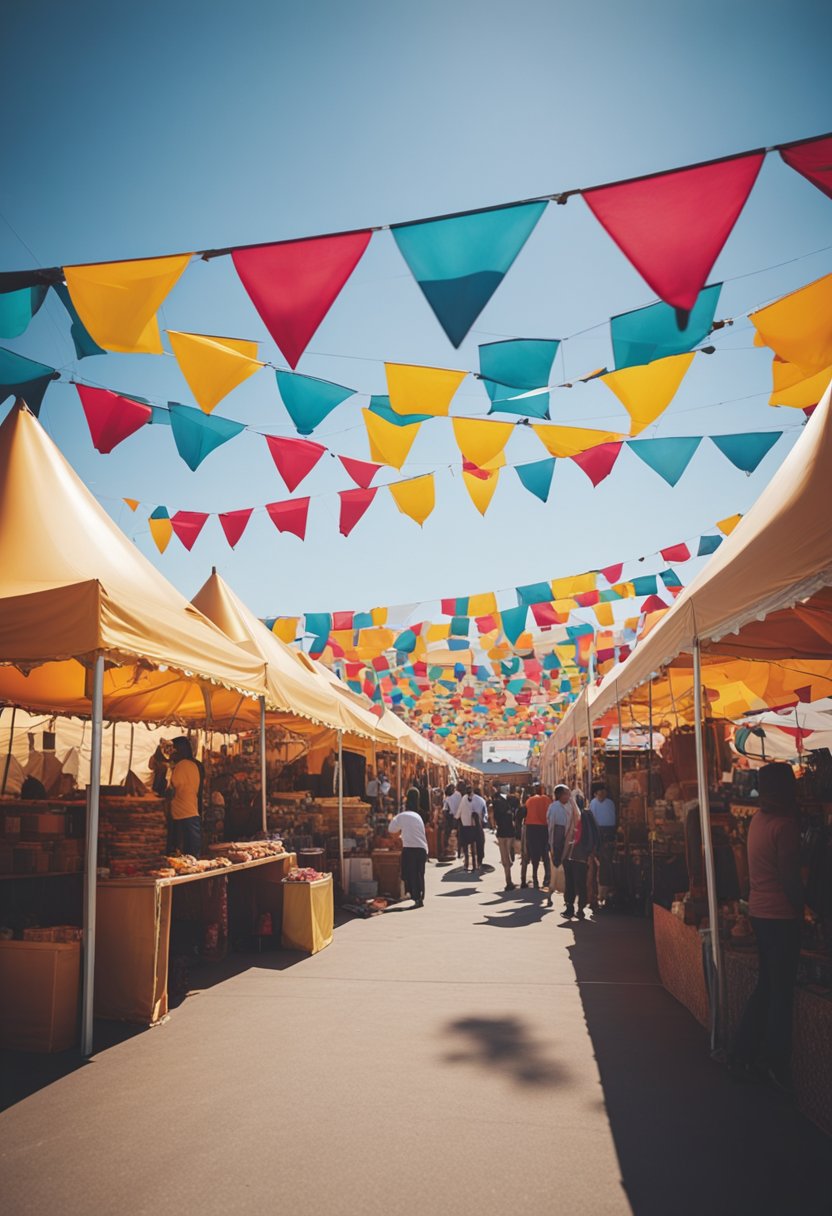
(308, 915)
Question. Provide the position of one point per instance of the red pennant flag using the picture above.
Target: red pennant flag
(623, 653)
(586, 599)
(613, 573)
(598, 462)
(110, 416)
(812, 159)
(676, 553)
(653, 603)
(353, 505)
(187, 525)
(544, 614)
(354, 670)
(381, 663)
(420, 670)
(294, 284)
(290, 516)
(468, 466)
(804, 694)
(673, 226)
(361, 471)
(234, 524)
(485, 624)
(342, 620)
(294, 458)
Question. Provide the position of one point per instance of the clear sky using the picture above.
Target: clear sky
(135, 130)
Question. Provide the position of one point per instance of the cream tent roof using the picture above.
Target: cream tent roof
(72, 585)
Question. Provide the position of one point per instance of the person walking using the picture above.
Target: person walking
(537, 835)
(505, 829)
(469, 814)
(410, 824)
(480, 823)
(580, 844)
(449, 806)
(603, 808)
(763, 1044)
(558, 820)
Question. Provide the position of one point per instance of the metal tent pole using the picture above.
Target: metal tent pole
(620, 755)
(91, 857)
(650, 742)
(263, 797)
(9, 752)
(708, 847)
(130, 754)
(341, 805)
(399, 781)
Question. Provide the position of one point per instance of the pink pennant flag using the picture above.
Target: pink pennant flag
(111, 417)
(812, 159)
(294, 458)
(361, 471)
(234, 524)
(598, 462)
(187, 525)
(290, 516)
(586, 599)
(672, 226)
(676, 553)
(353, 505)
(342, 620)
(544, 614)
(293, 284)
(653, 603)
(613, 573)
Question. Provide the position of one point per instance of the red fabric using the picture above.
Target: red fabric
(485, 624)
(536, 809)
(544, 614)
(381, 663)
(293, 284)
(342, 620)
(420, 670)
(354, 670)
(187, 525)
(598, 462)
(234, 524)
(448, 607)
(361, 471)
(672, 227)
(676, 553)
(586, 599)
(294, 458)
(290, 516)
(468, 466)
(353, 505)
(813, 159)
(613, 573)
(110, 416)
(653, 603)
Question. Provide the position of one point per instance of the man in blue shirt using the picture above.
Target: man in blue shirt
(603, 808)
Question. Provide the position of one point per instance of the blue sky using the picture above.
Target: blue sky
(158, 128)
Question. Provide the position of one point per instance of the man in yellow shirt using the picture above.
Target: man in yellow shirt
(184, 795)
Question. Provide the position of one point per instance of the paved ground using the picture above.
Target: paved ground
(478, 1056)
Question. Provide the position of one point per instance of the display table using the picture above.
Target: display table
(308, 915)
(133, 922)
(41, 981)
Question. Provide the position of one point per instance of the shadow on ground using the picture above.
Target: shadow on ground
(461, 875)
(689, 1140)
(504, 1045)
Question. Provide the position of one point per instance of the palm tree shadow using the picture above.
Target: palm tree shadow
(506, 1046)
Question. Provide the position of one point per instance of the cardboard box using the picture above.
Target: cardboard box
(45, 979)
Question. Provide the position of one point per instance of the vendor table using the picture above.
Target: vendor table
(308, 915)
(133, 922)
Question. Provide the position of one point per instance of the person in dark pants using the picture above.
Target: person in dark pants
(763, 1045)
(505, 829)
(537, 835)
(414, 846)
(581, 842)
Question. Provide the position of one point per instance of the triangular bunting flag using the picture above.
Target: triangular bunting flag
(361, 471)
(613, 573)
(793, 387)
(353, 505)
(213, 366)
(161, 528)
(294, 458)
(534, 593)
(459, 262)
(812, 159)
(598, 462)
(519, 363)
(380, 404)
(17, 309)
(308, 400)
(797, 328)
(389, 444)
(81, 340)
(293, 284)
(545, 614)
(118, 301)
(187, 525)
(111, 417)
(290, 516)
(22, 377)
(708, 545)
(672, 226)
(570, 440)
(416, 497)
(481, 490)
(426, 390)
(196, 435)
(726, 526)
(533, 403)
(480, 441)
(658, 331)
(646, 392)
(286, 628)
(133, 503)
(676, 553)
(513, 622)
(746, 451)
(667, 457)
(536, 476)
(234, 524)
(653, 603)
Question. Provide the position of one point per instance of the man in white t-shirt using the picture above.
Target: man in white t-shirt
(414, 852)
(472, 813)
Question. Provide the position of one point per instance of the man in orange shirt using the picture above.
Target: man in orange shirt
(537, 834)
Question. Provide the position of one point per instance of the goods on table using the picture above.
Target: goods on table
(132, 835)
(304, 875)
(248, 850)
(54, 933)
(186, 864)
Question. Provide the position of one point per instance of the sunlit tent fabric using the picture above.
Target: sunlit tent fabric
(536, 476)
(459, 262)
(415, 497)
(389, 443)
(659, 330)
(646, 392)
(196, 435)
(22, 377)
(797, 326)
(74, 586)
(213, 366)
(569, 440)
(672, 226)
(17, 309)
(293, 284)
(667, 457)
(480, 440)
(309, 400)
(118, 301)
(428, 390)
(813, 159)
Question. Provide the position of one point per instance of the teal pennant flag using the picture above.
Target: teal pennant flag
(654, 332)
(518, 365)
(537, 476)
(17, 309)
(196, 435)
(309, 400)
(746, 451)
(534, 593)
(459, 262)
(318, 623)
(380, 404)
(84, 344)
(514, 622)
(504, 400)
(646, 585)
(22, 377)
(667, 457)
(708, 545)
(405, 643)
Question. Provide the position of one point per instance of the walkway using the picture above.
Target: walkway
(429, 1061)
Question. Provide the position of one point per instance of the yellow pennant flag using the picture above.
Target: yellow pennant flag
(525, 641)
(379, 616)
(133, 503)
(161, 530)
(798, 328)
(603, 614)
(726, 526)
(213, 366)
(566, 441)
(286, 628)
(647, 390)
(438, 633)
(480, 441)
(389, 444)
(575, 584)
(118, 301)
(416, 497)
(481, 489)
(421, 390)
(482, 605)
(792, 386)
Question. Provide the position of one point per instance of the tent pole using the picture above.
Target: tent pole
(263, 796)
(589, 749)
(112, 755)
(620, 757)
(341, 807)
(91, 857)
(708, 846)
(650, 742)
(9, 752)
(130, 755)
(399, 781)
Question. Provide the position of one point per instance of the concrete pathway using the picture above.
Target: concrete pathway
(478, 1056)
